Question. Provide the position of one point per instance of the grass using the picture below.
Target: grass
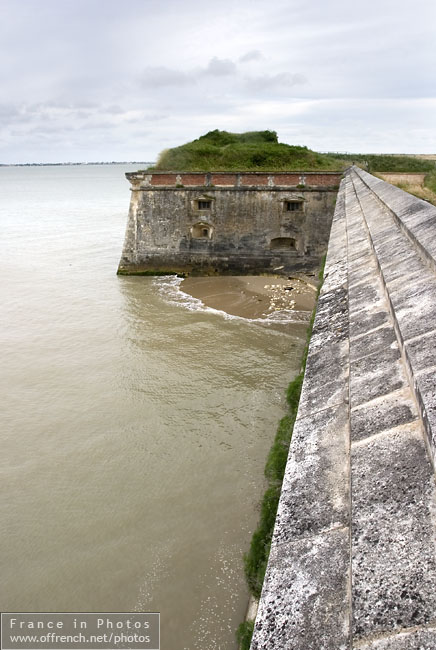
(261, 150)
(386, 163)
(430, 181)
(244, 634)
(255, 561)
(250, 151)
(423, 186)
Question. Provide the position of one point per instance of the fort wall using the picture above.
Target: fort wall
(223, 222)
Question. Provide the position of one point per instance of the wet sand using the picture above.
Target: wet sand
(252, 296)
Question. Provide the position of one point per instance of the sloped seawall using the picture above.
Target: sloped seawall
(353, 561)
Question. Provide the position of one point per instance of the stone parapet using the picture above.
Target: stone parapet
(353, 562)
(178, 180)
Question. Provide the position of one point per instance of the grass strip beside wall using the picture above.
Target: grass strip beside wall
(256, 560)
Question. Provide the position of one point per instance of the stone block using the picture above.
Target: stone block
(305, 598)
(335, 276)
(414, 268)
(315, 491)
(361, 272)
(424, 639)
(368, 318)
(421, 227)
(396, 266)
(359, 252)
(366, 295)
(382, 414)
(415, 310)
(393, 240)
(326, 378)
(331, 320)
(426, 393)
(421, 352)
(375, 375)
(393, 558)
(404, 292)
(371, 342)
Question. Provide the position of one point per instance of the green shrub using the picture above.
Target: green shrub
(386, 163)
(293, 392)
(244, 635)
(278, 454)
(430, 181)
(256, 559)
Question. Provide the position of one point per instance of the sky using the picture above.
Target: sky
(105, 80)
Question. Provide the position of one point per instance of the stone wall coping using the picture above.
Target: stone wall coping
(252, 173)
(233, 188)
(225, 180)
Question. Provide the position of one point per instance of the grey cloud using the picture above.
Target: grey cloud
(162, 77)
(220, 67)
(282, 81)
(8, 111)
(159, 77)
(68, 65)
(252, 55)
(115, 110)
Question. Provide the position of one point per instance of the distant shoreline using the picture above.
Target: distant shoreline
(75, 164)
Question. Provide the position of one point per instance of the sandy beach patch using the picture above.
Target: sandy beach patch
(252, 296)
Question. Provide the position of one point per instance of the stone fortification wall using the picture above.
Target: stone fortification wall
(222, 222)
(353, 562)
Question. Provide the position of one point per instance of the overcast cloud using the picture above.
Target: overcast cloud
(89, 80)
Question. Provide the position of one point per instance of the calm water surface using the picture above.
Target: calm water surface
(134, 429)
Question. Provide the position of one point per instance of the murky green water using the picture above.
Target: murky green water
(135, 424)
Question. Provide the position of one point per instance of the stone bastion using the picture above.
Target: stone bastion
(221, 222)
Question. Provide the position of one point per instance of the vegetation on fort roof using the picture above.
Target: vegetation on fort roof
(254, 150)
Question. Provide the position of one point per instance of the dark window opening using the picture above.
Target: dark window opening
(204, 205)
(294, 206)
(284, 243)
(201, 231)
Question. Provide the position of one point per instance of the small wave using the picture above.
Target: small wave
(169, 289)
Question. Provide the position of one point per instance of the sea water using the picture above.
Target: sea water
(135, 422)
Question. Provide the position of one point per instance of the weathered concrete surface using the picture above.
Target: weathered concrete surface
(305, 598)
(317, 483)
(422, 639)
(393, 558)
(305, 602)
(401, 232)
(228, 223)
(361, 464)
